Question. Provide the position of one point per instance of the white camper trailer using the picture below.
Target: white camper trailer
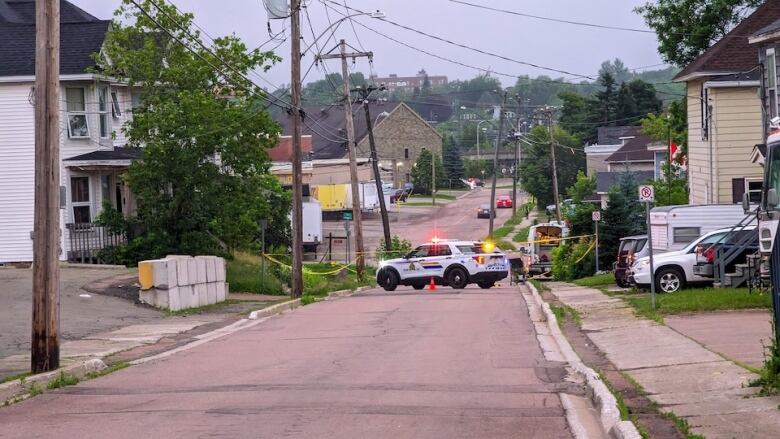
(674, 227)
(542, 239)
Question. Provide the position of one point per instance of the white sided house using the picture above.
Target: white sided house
(92, 112)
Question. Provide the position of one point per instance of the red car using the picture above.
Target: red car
(504, 201)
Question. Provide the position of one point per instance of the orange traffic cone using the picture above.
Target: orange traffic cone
(432, 285)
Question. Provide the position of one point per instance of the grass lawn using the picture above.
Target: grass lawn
(501, 232)
(600, 280)
(522, 235)
(438, 196)
(244, 275)
(698, 300)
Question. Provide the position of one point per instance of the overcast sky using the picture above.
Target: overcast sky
(560, 46)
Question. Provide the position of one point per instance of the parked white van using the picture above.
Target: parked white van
(674, 227)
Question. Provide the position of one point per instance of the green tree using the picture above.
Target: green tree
(453, 162)
(478, 168)
(686, 28)
(536, 168)
(580, 216)
(624, 216)
(577, 117)
(617, 69)
(422, 173)
(203, 183)
(605, 105)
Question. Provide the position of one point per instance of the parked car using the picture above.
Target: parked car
(484, 211)
(674, 270)
(399, 196)
(451, 263)
(631, 248)
(504, 201)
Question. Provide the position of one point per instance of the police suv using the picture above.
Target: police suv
(446, 262)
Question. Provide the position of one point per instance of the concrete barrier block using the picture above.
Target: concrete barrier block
(221, 291)
(211, 267)
(174, 299)
(147, 297)
(203, 294)
(182, 272)
(146, 274)
(165, 275)
(211, 289)
(200, 266)
(161, 299)
(185, 296)
(220, 269)
(192, 271)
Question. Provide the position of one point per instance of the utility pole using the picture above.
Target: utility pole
(495, 166)
(548, 113)
(433, 177)
(353, 175)
(364, 94)
(296, 289)
(516, 164)
(45, 346)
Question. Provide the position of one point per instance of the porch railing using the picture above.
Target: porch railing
(86, 240)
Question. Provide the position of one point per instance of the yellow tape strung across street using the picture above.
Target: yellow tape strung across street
(316, 273)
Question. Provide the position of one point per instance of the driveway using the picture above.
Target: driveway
(79, 316)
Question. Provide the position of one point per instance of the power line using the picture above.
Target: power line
(467, 47)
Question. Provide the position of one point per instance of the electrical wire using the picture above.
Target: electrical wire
(467, 47)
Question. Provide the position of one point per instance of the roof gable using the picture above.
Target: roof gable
(634, 150)
(733, 53)
(23, 12)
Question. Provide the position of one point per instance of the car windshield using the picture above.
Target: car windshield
(711, 239)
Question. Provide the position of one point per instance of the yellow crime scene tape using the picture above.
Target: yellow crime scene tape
(316, 273)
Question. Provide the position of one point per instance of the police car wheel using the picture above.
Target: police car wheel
(390, 280)
(457, 278)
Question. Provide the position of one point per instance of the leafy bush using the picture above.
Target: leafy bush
(574, 260)
(400, 247)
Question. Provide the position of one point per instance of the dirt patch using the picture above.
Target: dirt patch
(644, 411)
(123, 286)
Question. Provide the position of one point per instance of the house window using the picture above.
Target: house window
(116, 111)
(684, 235)
(406, 153)
(79, 198)
(771, 82)
(77, 114)
(135, 99)
(103, 111)
(754, 189)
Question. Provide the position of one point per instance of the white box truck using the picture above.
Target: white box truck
(369, 200)
(312, 224)
(674, 227)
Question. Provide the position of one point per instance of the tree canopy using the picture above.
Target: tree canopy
(686, 28)
(203, 184)
(536, 167)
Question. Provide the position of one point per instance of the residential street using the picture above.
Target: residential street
(407, 364)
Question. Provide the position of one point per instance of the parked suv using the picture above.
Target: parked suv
(631, 248)
(450, 263)
(675, 270)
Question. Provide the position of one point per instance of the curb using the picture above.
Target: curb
(599, 394)
(18, 390)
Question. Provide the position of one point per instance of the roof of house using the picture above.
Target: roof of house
(327, 126)
(81, 35)
(612, 135)
(733, 53)
(771, 28)
(634, 150)
(118, 153)
(605, 180)
(23, 12)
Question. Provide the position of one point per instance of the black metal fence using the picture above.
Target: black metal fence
(87, 240)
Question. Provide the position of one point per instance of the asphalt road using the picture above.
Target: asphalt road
(455, 220)
(408, 364)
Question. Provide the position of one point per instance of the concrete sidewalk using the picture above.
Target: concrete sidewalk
(678, 373)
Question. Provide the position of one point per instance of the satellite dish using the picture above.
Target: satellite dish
(277, 8)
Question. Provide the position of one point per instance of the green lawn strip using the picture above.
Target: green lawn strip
(561, 311)
(19, 376)
(702, 299)
(245, 275)
(319, 281)
(522, 235)
(420, 204)
(505, 245)
(502, 232)
(438, 196)
(596, 281)
(541, 287)
(62, 380)
(200, 309)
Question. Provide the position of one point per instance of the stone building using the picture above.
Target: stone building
(399, 132)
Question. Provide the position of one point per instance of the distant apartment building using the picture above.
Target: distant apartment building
(395, 82)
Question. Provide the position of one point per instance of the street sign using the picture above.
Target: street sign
(596, 215)
(346, 216)
(646, 194)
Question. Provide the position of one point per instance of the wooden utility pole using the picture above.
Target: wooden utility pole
(45, 346)
(296, 288)
(516, 164)
(433, 177)
(353, 175)
(495, 166)
(548, 113)
(364, 94)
